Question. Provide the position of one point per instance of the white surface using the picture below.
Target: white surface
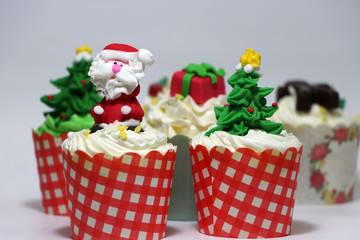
(315, 40)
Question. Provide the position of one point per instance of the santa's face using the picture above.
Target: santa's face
(113, 77)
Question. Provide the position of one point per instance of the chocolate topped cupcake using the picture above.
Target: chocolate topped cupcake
(313, 112)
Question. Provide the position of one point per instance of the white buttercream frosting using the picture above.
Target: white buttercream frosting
(174, 116)
(291, 118)
(255, 139)
(108, 141)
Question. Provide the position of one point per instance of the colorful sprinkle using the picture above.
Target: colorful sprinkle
(323, 110)
(179, 96)
(86, 134)
(250, 110)
(122, 128)
(154, 101)
(123, 135)
(50, 97)
(138, 129)
(162, 108)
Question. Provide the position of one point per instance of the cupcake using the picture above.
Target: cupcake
(70, 112)
(182, 110)
(313, 112)
(245, 167)
(118, 173)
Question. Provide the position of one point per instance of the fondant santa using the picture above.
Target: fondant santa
(116, 71)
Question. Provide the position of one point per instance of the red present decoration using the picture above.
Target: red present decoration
(154, 89)
(119, 198)
(201, 82)
(245, 194)
(157, 87)
(50, 168)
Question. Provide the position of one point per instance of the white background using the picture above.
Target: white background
(314, 40)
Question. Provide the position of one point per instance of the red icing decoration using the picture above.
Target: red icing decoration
(120, 47)
(50, 97)
(250, 109)
(62, 116)
(201, 89)
(226, 105)
(155, 89)
(83, 82)
(274, 104)
(112, 109)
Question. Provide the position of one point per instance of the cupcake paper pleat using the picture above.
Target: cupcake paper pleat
(118, 198)
(50, 168)
(245, 194)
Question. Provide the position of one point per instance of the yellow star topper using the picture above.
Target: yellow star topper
(83, 48)
(250, 57)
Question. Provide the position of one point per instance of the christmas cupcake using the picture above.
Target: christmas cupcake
(313, 112)
(118, 174)
(70, 112)
(181, 111)
(245, 168)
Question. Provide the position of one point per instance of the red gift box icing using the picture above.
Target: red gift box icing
(201, 89)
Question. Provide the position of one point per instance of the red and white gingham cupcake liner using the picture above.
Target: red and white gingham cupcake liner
(50, 168)
(245, 194)
(118, 198)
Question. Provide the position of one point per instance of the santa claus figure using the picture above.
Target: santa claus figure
(116, 71)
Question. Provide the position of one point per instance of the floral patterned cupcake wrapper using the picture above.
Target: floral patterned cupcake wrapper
(118, 198)
(50, 168)
(328, 165)
(245, 194)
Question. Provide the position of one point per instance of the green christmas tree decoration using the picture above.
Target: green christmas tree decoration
(77, 94)
(247, 103)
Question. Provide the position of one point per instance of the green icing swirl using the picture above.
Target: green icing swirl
(74, 124)
(235, 117)
(77, 94)
(72, 105)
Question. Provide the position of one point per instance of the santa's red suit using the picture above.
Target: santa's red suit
(121, 109)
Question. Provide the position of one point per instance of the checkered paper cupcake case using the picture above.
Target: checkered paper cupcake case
(245, 194)
(50, 168)
(118, 198)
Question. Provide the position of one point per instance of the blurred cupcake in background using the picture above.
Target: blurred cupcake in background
(181, 110)
(70, 112)
(314, 113)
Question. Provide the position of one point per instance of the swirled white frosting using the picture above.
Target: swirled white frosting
(255, 139)
(291, 118)
(173, 116)
(108, 141)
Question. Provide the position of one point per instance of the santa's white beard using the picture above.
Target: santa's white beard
(125, 81)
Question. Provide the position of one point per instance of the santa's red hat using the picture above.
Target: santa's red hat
(117, 51)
